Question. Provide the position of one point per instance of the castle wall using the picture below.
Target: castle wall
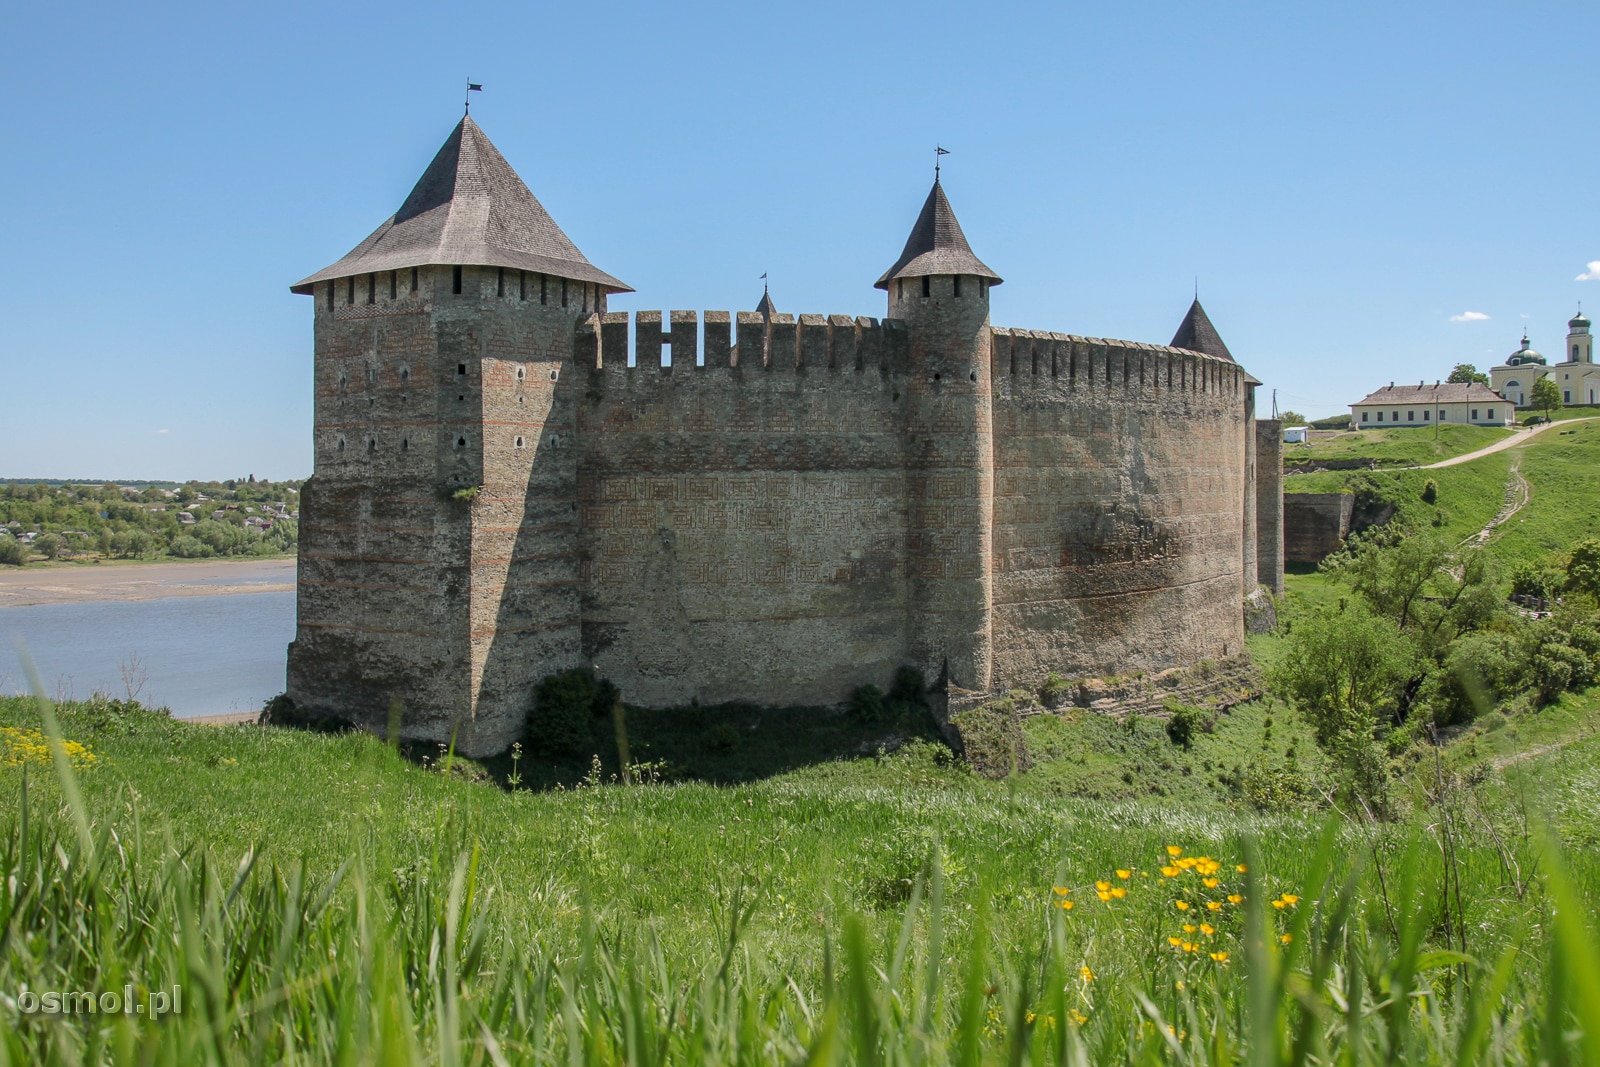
(1269, 504)
(742, 523)
(1119, 485)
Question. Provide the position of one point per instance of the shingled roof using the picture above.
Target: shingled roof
(936, 246)
(469, 208)
(766, 309)
(1196, 334)
(1437, 393)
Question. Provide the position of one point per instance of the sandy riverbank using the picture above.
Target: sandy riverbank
(143, 581)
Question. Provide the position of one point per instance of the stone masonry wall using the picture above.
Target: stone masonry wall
(743, 522)
(1118, 507)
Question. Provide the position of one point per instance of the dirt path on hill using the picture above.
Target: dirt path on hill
(1518, 493)
(1521, 437)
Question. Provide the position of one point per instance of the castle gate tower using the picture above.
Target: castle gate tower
(940, 290)
(438, 548)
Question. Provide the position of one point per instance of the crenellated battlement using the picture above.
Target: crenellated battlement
(1023, 361)
(682, 342)
(1031, 359)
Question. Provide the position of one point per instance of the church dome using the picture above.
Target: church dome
(1525, 354)
(1577, 322)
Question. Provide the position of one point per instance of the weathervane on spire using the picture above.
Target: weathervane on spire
(472, 87)
(937, 152)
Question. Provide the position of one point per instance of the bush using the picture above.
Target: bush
(1535, 579)
(866, 703)
(48, 545)
(12, 552)
(566, 710)
(1430, 492)
(1183, 720)
(909, 686)
(1583, 567)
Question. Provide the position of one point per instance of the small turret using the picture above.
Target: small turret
(1196, 334)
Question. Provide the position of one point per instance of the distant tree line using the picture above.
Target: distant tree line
(194, 520)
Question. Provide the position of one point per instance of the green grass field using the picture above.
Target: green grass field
(1397, 447)
(322, 899)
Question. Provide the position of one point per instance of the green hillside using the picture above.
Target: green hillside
(1217, 883)
(1397, 446)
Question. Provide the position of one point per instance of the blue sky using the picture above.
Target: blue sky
(1347, 180)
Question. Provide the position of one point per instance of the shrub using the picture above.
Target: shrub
(722, 738)
(48, 545)
(12, 552)
(909, 686)
(566, 709)
(1183, 720)
(1583, 567)
(866, 703)
(1430, 492)
(1535, 579)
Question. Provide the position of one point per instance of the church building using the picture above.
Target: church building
(1576, 374)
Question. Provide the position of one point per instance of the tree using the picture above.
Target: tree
(1292, 418)
(1466, 374)
(48, 545)
(1546, 396)
(1583, 567)
(1347, 670)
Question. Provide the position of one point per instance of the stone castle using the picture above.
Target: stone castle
(744, 506)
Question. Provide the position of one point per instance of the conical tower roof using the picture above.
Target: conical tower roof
(766, 309)
(469, 208)
(1196, 334)
(936, 246)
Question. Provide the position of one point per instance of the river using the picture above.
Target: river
(161, 631)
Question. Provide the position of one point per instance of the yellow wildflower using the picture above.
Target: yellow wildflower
(1239, 867)
(1174, 850)
(1189, 929)
(1103, 894)
(1171, 872)
(1064, 905)
(1174, 941)
(1212, 905)
(1207, 929)
(1102, 886)
(1290, 899)
(1220, 957)
(1235, 898)
(1119, 892)
(1061, 890)
(1182, 905)
(1085, 973)
(1124, 875)
(1286, 938)
(1209, 883)
(1190, 946)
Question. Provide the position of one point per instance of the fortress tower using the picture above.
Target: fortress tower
(940, 290)
(511, 480)
(438, 543)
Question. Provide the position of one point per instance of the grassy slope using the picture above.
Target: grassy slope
(1470, 494)
(1560, 466)
(1397, 446)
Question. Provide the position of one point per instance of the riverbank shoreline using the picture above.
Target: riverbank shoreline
(144, 581)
